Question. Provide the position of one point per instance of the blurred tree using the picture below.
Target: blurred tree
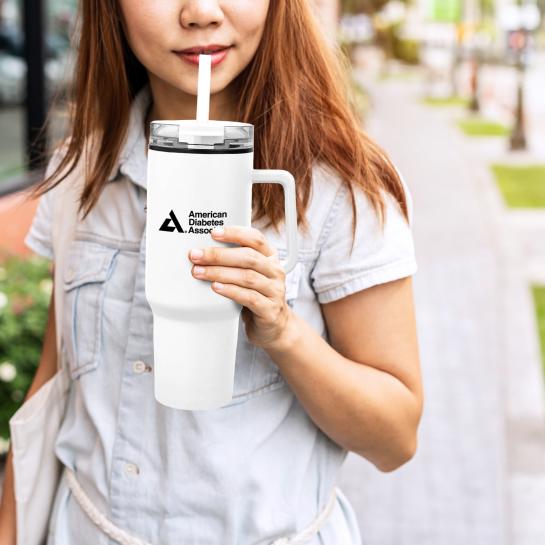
(368, 7)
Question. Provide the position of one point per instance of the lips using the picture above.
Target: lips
(217, 53)
(211, 48)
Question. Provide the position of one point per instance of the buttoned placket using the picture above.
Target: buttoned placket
(127, 444)
(126, 474)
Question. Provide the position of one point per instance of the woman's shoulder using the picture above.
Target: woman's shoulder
(332, 197)
(348, 260)
(39, 236)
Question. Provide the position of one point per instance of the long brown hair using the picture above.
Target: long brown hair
(296, 91)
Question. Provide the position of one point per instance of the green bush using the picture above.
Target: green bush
(390, 39)
(25, 291)
(406, 50)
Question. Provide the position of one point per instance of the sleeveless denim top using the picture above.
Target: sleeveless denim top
(257, 468)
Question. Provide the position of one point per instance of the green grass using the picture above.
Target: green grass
(446, 101)
(483, 127)
(521, 186)
(539, 301)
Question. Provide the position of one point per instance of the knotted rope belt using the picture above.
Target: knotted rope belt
(124, 538)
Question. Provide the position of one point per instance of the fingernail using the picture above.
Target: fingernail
(198, 270)
(196, 254)
(218, 231)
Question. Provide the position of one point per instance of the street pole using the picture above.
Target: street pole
(474, 105)
(473, 17)
(456, 59)
(35, 102)
(517, 140)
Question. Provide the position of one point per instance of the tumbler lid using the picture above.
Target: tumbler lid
(168, 134)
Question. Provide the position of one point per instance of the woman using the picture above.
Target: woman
(327, 357)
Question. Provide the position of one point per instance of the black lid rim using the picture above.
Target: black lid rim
(201, 150)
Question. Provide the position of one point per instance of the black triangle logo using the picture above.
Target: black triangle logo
(166, 227)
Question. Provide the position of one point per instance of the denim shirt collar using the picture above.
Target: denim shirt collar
(132, 159)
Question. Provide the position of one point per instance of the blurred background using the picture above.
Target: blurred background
(454, 91)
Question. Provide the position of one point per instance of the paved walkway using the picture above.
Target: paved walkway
(479, 475)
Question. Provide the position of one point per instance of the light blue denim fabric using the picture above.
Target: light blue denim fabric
(254, 470)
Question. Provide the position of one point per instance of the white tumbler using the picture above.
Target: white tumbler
(199, 175)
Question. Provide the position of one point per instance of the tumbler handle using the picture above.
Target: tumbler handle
(284, 178)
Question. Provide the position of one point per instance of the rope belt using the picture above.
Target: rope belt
(124, 538)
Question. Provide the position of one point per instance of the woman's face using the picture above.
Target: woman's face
(157, 29)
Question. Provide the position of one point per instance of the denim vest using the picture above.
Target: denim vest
(253, 470)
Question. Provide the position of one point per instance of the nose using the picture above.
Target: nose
(201, 13)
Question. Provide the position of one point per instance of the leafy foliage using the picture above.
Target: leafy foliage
(25, 292)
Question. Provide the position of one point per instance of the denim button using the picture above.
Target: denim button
(139, 367)
(131, 468)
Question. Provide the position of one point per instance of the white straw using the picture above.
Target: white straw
(203, 87)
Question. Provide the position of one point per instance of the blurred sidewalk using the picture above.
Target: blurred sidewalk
(479, 475)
